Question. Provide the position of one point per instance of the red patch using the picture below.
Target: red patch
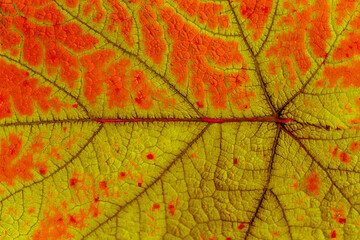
(342, 220)
(156, 206)
(236, 161)
(241, 226)
(344, 157)
(339, 215)
(333, 234)
(73, 182)
(150, 156)
(122, 175)
(102, 185)
(171, 209)
(72, 219)
(312, 183)
(43, 171)
(200, 104)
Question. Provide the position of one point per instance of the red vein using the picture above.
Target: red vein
(208, 120)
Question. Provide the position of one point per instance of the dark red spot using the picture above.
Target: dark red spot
(241, 226)
(150, 156)
(138, 100)
(333, 234)
(96, 199)
(122, 175)
(60, 219)
(139, 184)
(342, 220)
(72, 219)
(42, 171)
(236, 161)
(228, 238)
(73, 182)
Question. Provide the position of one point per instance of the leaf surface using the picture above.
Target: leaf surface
(154, 119)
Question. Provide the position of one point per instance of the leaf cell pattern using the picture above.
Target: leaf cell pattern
(184, 119)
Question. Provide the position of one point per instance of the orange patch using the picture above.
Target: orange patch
(257, 13)
(196, 50)
(13, 166)
(155, 45)
(120, 18)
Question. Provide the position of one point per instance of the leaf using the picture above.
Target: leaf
(154, 119)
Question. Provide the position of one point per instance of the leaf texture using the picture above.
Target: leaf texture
(184, 119)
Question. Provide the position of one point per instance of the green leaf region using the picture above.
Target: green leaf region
(181, 119)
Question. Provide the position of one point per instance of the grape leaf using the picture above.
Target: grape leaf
(156, 119)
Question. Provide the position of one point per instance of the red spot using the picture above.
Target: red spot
(236, 161)
(241, 226)
(156, 206)
(342, 220)
(73, 182)
(312, 183)
(122, 175)
(333, 234)
(139, 184)
(75, 106)
(171, 206)
(96, 199)
(344, 158)
(200, 104)
(43, 171)
(150, 156)
(228, 238)
(72, 219)
(171, 209)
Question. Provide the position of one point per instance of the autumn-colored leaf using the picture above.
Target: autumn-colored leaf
(184, 119)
